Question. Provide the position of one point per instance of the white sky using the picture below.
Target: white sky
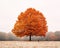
(10, 9)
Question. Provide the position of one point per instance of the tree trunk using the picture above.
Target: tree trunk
(30, 37)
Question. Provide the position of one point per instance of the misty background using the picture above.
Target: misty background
(50, 36)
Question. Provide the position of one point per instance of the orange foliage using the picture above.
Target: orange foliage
(30, 22)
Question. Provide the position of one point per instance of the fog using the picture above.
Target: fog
(50, 36)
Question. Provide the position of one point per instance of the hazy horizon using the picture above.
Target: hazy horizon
(10, 9)
(50, 36)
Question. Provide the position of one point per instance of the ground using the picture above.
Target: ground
(29, 44)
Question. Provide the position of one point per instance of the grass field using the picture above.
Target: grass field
(29, 44)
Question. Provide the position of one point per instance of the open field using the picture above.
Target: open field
(29, 44)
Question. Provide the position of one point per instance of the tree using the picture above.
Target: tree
(29, 23)
(57, 33)
(50, 36)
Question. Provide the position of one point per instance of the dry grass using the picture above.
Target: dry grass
(29, 44)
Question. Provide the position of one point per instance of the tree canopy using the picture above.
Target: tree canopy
(30, 22)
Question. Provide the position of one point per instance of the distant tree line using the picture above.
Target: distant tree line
(50, 36)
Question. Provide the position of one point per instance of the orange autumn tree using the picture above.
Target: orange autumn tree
(29, 23)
